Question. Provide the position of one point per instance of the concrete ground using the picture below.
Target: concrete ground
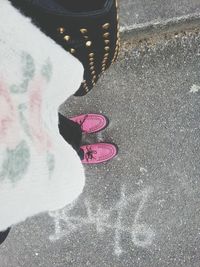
(141, 209)
(141, 13)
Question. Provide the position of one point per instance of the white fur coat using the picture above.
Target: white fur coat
(39, 171)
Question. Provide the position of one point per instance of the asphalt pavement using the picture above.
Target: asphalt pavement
(141, 209)
(136, 14)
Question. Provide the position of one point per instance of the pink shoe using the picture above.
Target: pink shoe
(91, 123)
(98, 153)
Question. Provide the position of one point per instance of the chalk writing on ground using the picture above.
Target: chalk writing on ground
(194, 89)
(141, 234)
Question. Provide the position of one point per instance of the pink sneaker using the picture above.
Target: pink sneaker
(98, 153)
(91, 123)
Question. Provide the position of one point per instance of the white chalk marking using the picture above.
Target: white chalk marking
(120, 207)
(143, 170)
(142, 235)
(195, 89)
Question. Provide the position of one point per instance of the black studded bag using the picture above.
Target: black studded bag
(91, 36)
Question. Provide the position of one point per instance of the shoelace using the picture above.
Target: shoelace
(90, 153)
(80, 122)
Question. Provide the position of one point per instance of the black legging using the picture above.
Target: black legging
(3, 235)
(72, 133)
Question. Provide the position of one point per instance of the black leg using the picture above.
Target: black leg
(3, 235)
(71, 132)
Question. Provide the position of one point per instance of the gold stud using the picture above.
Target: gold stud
(88, 43)
(115, 57)
(86, 37)
(72, 50)
(104, 61)
(92, 68)
(93, 83)
(91, 63)
(83, 31)
(106, 26)
(106, 55)
(106, 41)
(93, 73)
(67, 38)
(117, 4)
(91, 55)
(106, 48)
(103, 65)
(94, 77)
(61, 30)
(91, 59)
(106, 35)
(85, 85)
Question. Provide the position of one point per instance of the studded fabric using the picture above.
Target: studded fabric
(92, 37)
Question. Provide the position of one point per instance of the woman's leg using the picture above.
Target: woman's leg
(3, 235)
(72, 133)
